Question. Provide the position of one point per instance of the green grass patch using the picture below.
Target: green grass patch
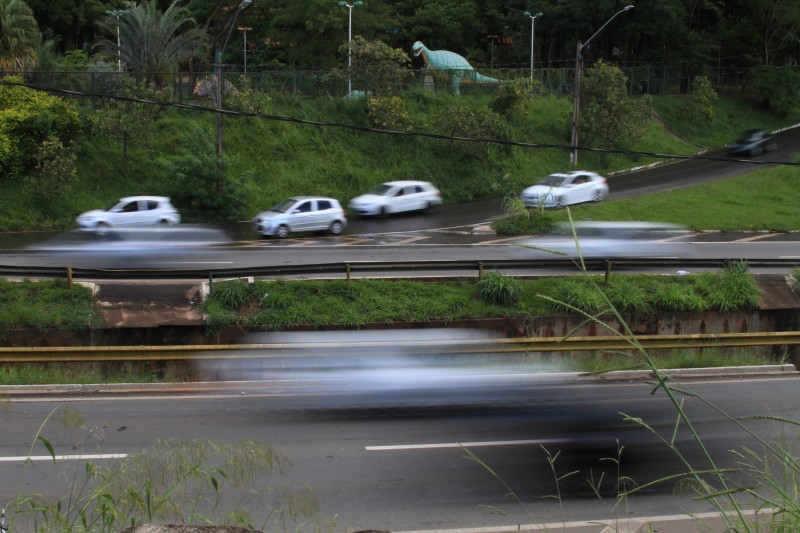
(47, 305)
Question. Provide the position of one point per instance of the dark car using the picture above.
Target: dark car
(754, 142)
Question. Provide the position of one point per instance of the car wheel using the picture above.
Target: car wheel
(383, 212)
(559, 203)
(336, 228)
(599, 195)
(282, 232)
(755, 151)
(102, 228)
(164, 223)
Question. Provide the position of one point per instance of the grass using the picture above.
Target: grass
(49, 304)
(270, 160)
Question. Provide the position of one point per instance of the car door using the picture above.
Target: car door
(303, 216)
(130, 214)
(581, 189)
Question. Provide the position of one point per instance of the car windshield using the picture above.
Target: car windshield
(750, 135)
(284, 205)
(116, 206)
(553, 180)
(382, 189)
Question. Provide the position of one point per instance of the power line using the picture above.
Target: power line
(395, 133)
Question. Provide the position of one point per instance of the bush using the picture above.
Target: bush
(497, 288)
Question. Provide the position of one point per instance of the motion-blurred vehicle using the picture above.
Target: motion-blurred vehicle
(606, 239)
(299, 214)
(396, 197)
(129, 212)
(566, 188)
(754, 142)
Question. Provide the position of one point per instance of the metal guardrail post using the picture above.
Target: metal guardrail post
(69, 277)
(347, 269)
(608, 270)
(480, 269)
(210, 282)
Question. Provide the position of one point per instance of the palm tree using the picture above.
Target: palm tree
(151, 43)
(19, 36)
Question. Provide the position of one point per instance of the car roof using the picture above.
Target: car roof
(403, 183)
(154, 198)
(298, 198)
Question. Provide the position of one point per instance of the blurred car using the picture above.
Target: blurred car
(754, 142)
(131, 211)
(566, 188)
(302, 213)
(396, 197)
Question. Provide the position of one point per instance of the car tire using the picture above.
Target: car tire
(383, 212)
(282, 232)
(336, 228)
(559, 203)
(164, 223)
(102, 229)
(599, 195)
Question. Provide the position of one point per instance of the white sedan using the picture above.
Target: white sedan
(396, 197)
(567, 188)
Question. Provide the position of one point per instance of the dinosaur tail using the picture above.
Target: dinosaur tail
(480, 78)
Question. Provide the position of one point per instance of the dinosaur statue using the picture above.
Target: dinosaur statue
(207, 88)
(441, 61)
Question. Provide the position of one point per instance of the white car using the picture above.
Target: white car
(567, 188)
(301, 213)
(129, 212)
(396, 197)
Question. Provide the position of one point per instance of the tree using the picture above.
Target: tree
(377, 66)
(608, 114)
(19, 36)
(152, 43)
(700, 103)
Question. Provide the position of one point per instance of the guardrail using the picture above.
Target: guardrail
(375, 267)
(66, 354)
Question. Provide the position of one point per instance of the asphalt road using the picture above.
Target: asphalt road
(407, 469)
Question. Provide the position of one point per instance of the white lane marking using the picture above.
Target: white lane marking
(195, 263)
(393, 447)
(20, 458)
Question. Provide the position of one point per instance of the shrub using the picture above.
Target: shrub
(232, 294)
(497, 288)
(389, 112)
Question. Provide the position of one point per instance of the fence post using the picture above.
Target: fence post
(69, 277)
(608, 270)
(480, 269)
(347, 269)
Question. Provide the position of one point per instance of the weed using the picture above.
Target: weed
(497, 288)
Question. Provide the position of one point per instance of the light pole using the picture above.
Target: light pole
(349, 39)
(573, 159)
(533, 36)
(218, 61)
(244, 30)
(492, 39)
(117, 13)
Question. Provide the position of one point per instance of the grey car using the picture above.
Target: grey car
(754, 142)
(301, 213)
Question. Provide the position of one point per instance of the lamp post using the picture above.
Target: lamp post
(533, 37)
(117, 13)
(218, 61)
(492, 39)
(244, 30)
(577, 97)
(349, 39)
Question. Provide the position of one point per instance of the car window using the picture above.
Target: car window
(305, 207)
(284, 206)
(152, 205)
(130, 207)
(578, 180)
(323, 205)
(417, 188)
(382, 189)
(399, 192)
(553, 181)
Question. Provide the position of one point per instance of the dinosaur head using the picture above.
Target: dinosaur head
(417, 47)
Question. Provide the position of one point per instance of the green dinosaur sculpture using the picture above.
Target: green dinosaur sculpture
(447, 64)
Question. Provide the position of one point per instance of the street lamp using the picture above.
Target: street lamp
(577, 101)
(350, 38)
(492, 39)
(117, 13)
(244, 29)
(218, 59)
(533, 34)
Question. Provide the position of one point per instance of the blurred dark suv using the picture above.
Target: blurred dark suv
(754, 142)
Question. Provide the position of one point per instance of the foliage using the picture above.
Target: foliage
(19, 36)
(462, 121)
(177, 481)
(201, 188)
(29, 118)
(389, 113)
(152, 43)
(515, 97)
(246, 98)
(47, 304)
(497, 288)
(700, 103)
(55, 164)
(608, 115)
(519, 220)
(377, 68)
(779, 89)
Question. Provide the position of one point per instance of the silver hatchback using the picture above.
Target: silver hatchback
(301, 213)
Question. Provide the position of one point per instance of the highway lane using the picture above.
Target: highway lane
(404, 469)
